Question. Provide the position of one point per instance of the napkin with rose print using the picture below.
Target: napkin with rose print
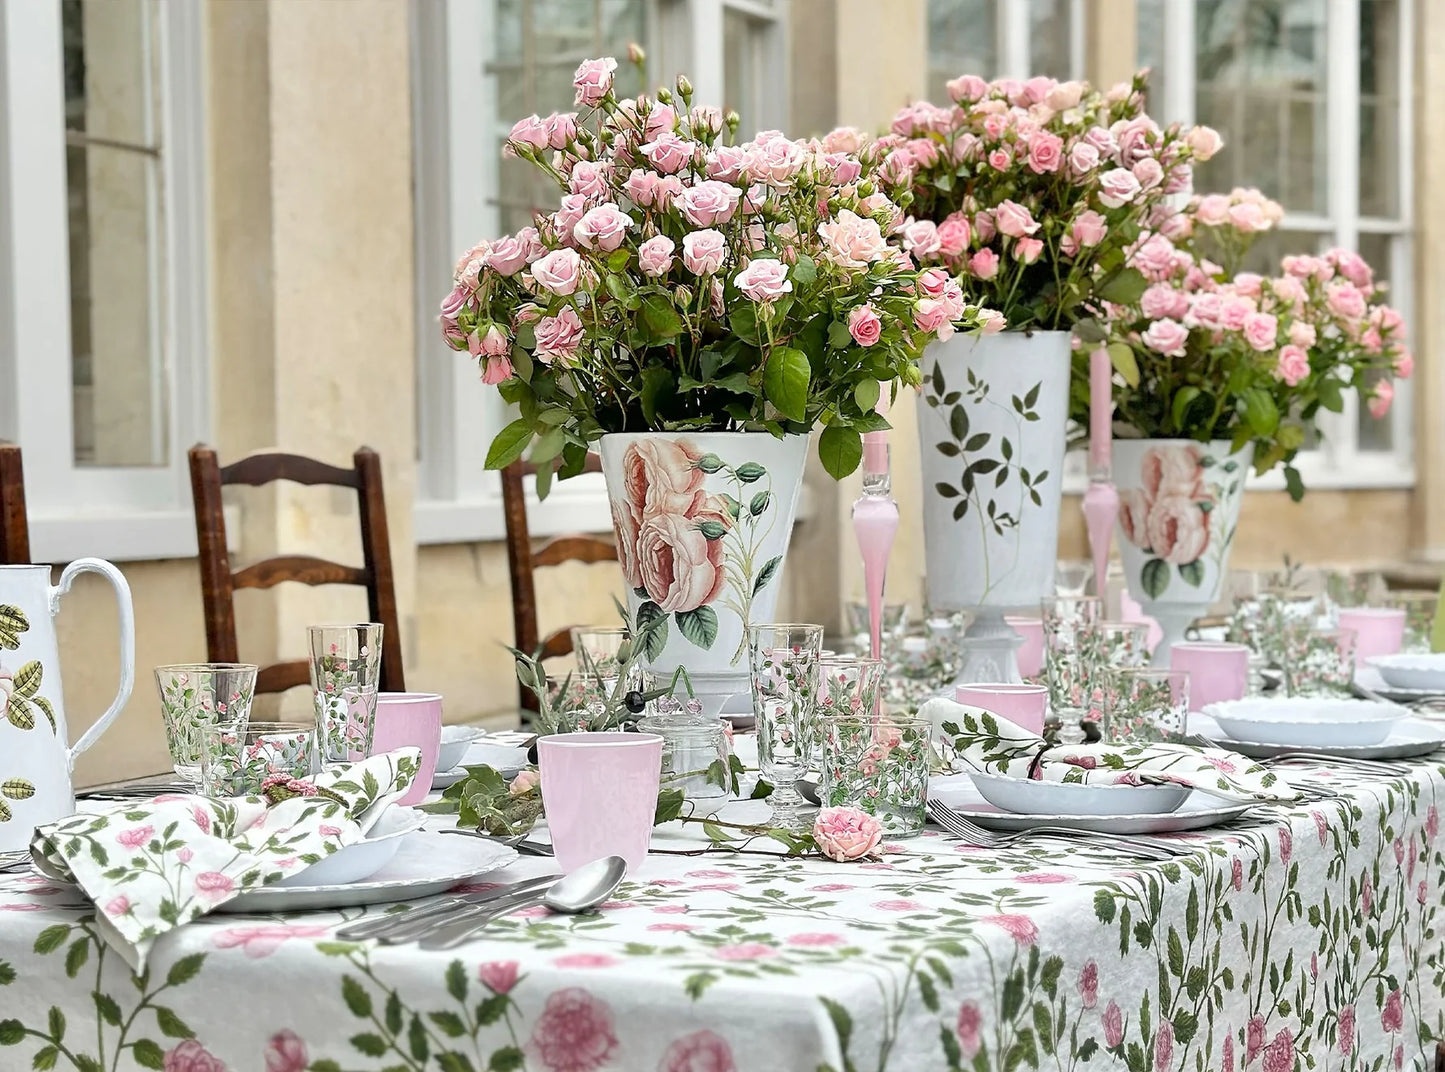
(151, 866)
(994, 745)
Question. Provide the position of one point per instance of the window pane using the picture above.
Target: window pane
(962, 39)
(742, 70)
(536, 46)
(1051, 35)
(1149, 46)
(1375, 434)
(117, 247)
(1380, 108)
(1262, 84)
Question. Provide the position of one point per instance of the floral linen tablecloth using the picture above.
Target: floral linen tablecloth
(1306, 938)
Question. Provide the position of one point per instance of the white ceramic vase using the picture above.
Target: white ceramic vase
(1178, 508)
(703, 521)
(992, 412)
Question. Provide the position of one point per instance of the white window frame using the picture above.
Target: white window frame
(458, 501)
(1013, 40)
(120, 512)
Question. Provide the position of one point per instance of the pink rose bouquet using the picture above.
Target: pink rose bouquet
(1029, 192)
(1206, 352)
(687, 282)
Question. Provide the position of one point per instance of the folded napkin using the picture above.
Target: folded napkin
(995, 745)
(151, 866)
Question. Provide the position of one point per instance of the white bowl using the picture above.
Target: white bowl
(455, 742)
(1425, 672)
(1305, 722)
(1027, 796)
(365, 858)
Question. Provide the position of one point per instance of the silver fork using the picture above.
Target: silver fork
(973, 834)
(1370, 766)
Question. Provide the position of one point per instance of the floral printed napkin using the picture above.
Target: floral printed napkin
(152, 866)
(995, 745)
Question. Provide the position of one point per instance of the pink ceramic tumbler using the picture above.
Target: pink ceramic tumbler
(1217, 671)
(410, 720)
(1023, 705)
(599, 791)
(1031, 652)
(1378, 630)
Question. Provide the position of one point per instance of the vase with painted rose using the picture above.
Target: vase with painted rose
(703, 521)
(992, 412)
(1178, 509)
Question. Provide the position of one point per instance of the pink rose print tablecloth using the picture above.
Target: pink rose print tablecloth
(1309, 937)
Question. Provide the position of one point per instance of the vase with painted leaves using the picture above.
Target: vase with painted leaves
(1179, 506)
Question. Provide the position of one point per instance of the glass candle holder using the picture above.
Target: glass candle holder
(783, 662)
(345, 676)
(1146, 705)
(1320, 662)
(879, 766)
(237, 761)
(1069, 660)
(849, 686)
(197, 695)
(694, 754)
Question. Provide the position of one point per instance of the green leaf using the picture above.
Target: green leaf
(507, 1059)
(12, 623)
(185, 969)
(51, 938)
(27, 678)
(369, 1044)
(1260, 412)
(172, 1025)
(1121, 356)
(928, 992)
(958, 423)
(1125, 288)
(699, 626)
(760, 503)
(840, 449)
(657, 386)
(356, 997)
(55, 1021)
(108, 1008)
(44, 1058)
(803, 271)
(842, 1022)
(1179, 408)
(660, 317)
(839, 337)
(1154, 577)
(394, 1021)
(1192, 572)
(785, 381)
(1331, 394)
(416, 1040)
(49, 712)
(509, 444)
(1293, 484)
(449, 1022)
(766, 574)
(76, 956)
(19, 713)
(148, 1054)
(866, 394)
(457, 981)
(654, 640)
(17, 789)
(11, 1032)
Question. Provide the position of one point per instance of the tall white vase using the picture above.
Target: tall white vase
(703, 521)
(992, 412)
(1178, 509)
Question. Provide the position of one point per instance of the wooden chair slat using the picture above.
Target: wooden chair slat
(558, 642)
(258, 469)
(14, 522)
(303, 569)
(588, 549)
(278, 677)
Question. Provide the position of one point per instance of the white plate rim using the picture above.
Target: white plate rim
(1069, 787)
(1380, 686)
(1182, 819)
(1390, 748)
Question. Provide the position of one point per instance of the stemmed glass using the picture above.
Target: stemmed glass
(345, 676)
(849, 686)
(197, 695)
(783, 660)
(1069, 642)
(1113, 645)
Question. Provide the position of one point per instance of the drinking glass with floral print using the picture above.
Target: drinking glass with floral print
(879, 766)
(345, 676)
(196, 695)
(849, 686)
(1419, 608)
(1069, 658)
(235, 761)
(783, 661)
(1272, 624)
(1320, 662)
(1113, 645)
(1145, 705)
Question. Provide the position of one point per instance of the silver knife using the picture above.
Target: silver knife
(417, 919)
(443, 934)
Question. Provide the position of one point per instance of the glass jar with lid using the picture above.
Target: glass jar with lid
(695, 753)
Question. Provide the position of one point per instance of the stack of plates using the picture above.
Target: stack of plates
(1358, 729)
(1422, 675)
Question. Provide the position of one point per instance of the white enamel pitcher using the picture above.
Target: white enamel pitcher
(35, 758)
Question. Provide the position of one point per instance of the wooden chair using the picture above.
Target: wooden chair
(218, 583)
(14, 522)
(523, 560)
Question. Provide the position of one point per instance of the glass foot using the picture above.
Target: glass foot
(790, 810)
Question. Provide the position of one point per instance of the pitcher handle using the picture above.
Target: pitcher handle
(127, 640)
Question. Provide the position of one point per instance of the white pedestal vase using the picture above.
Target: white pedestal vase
(992, 412)
(1178, 508)
(703, 521)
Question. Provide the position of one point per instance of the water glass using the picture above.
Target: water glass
(1270, 624)
(601, 650)
(1071, 579)
(196, 695)
(1419, 607)
(237, 760)
(345, 676)
(849, 686)
(1320, 662)
(1069, 623)
(1145, 705)
(879, 766)
(783, 661)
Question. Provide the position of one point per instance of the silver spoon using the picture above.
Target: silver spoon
(581, 891)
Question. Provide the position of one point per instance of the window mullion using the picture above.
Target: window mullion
(1180, 90)
(706, 48)
(1013, 39)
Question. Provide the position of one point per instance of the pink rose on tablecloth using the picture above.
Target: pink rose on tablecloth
(1399, 847)
(1226, 1054)
(1113, 1021)
(286, 1052)
(1432, 823)
(118, 905)
(830, 887)
(679, 927)
(214, 885)
(1089, 984)
(136, 837)
(1367, 895)
(1322, 825)
(1279, 1054)
(1253, 1038)
(1237, 874)
(1178, 529)
(1392, 1016)
(191, 1056)
(969, 1022)
(498, 976)
(744, 951)
(593, 80)
(1163, 1046)
(258, 942)
(202, 818)
(184, 855)
(1400, 1056)
(671, 909)
(574, 1033)
(1347, 1029)
(815, 939)
(328, 830)
(702, 1051)
(1422, 891)
(1021, 927)
(844, 834)
(1286, 844)
(1043, 878)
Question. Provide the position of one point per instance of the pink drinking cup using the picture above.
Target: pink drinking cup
(1023, 705)
(410, 720)
(1217, 670)
(1031, 653)
(1378, 630)
(599, 791)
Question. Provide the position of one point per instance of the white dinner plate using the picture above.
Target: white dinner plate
(1408, 738)
(361, 860)
(456, 743)
(1411, 671)
(1028, 796)
(1367, 677)
(427, 864)
(1307, 722)
(1199, 811)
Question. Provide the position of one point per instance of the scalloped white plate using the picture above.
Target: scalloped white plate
(1411, 671)
(364, 858)
(1307, 722)
(1027, 796)
(1199, 811)
(1409, 738)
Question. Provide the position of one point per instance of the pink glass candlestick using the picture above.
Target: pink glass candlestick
(875, 523)
(1101, 501)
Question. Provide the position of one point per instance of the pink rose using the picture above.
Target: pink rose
(286, 1053)
(764, 280)
(1293, 365)
(1203, 142)
(816, 939)
(184, 855)
(984, 264)
(559, 271)
(627, 525)
(1347, 1029)
(668, 152)
(933, 315)
(921, 238)
(1178, 529)
(680, 567)
(1235, 310)
(654, 256)
(593, 81)
(991, 321)
(118, 905)
(641, 186)
(776, 161)
(1172, 470)
(1380, 399)
(727, 162)
(1089, 984)
(999, 159)
(525, 781)
(1014, 220)
(585, 960)
(702, 1051)
(1367, 895)
(561, 128)
(508, 256)
(589, 179)
(1089, 228)
(865, 325)
(744, 951)
(1166, 336)
(1212, 210)
(708, 202)
(844, 834)
(1164, 1046)
(1261, 330)
(1286, 844)
(1163, 300)
(1021, 927)
(1028, 250)
(261, 941)
(1046, 153)
(704, 252)
(1226, 1054)
(1042, 878)
(1113, 1021)
(559, 336)
(661, 476)
(1279, 1054)
(1248, 218)
(1404, 364)
(954, 235)
(1083, 158)
(191, 1056)
(1345, 301)
(603, 227)
(1117, 187)
(852, 242)
(969, 1023)
(574, 1033)
(136, 837)
(1236, 874)
(1154, 256)
(1392, 1016)
(705, 117)
(529, 133)
(1253, 1038)
(967, 88)
(1432, 823)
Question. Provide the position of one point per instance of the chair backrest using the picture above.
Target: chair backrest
(218, 583)
(523, 560)
(14, 523)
